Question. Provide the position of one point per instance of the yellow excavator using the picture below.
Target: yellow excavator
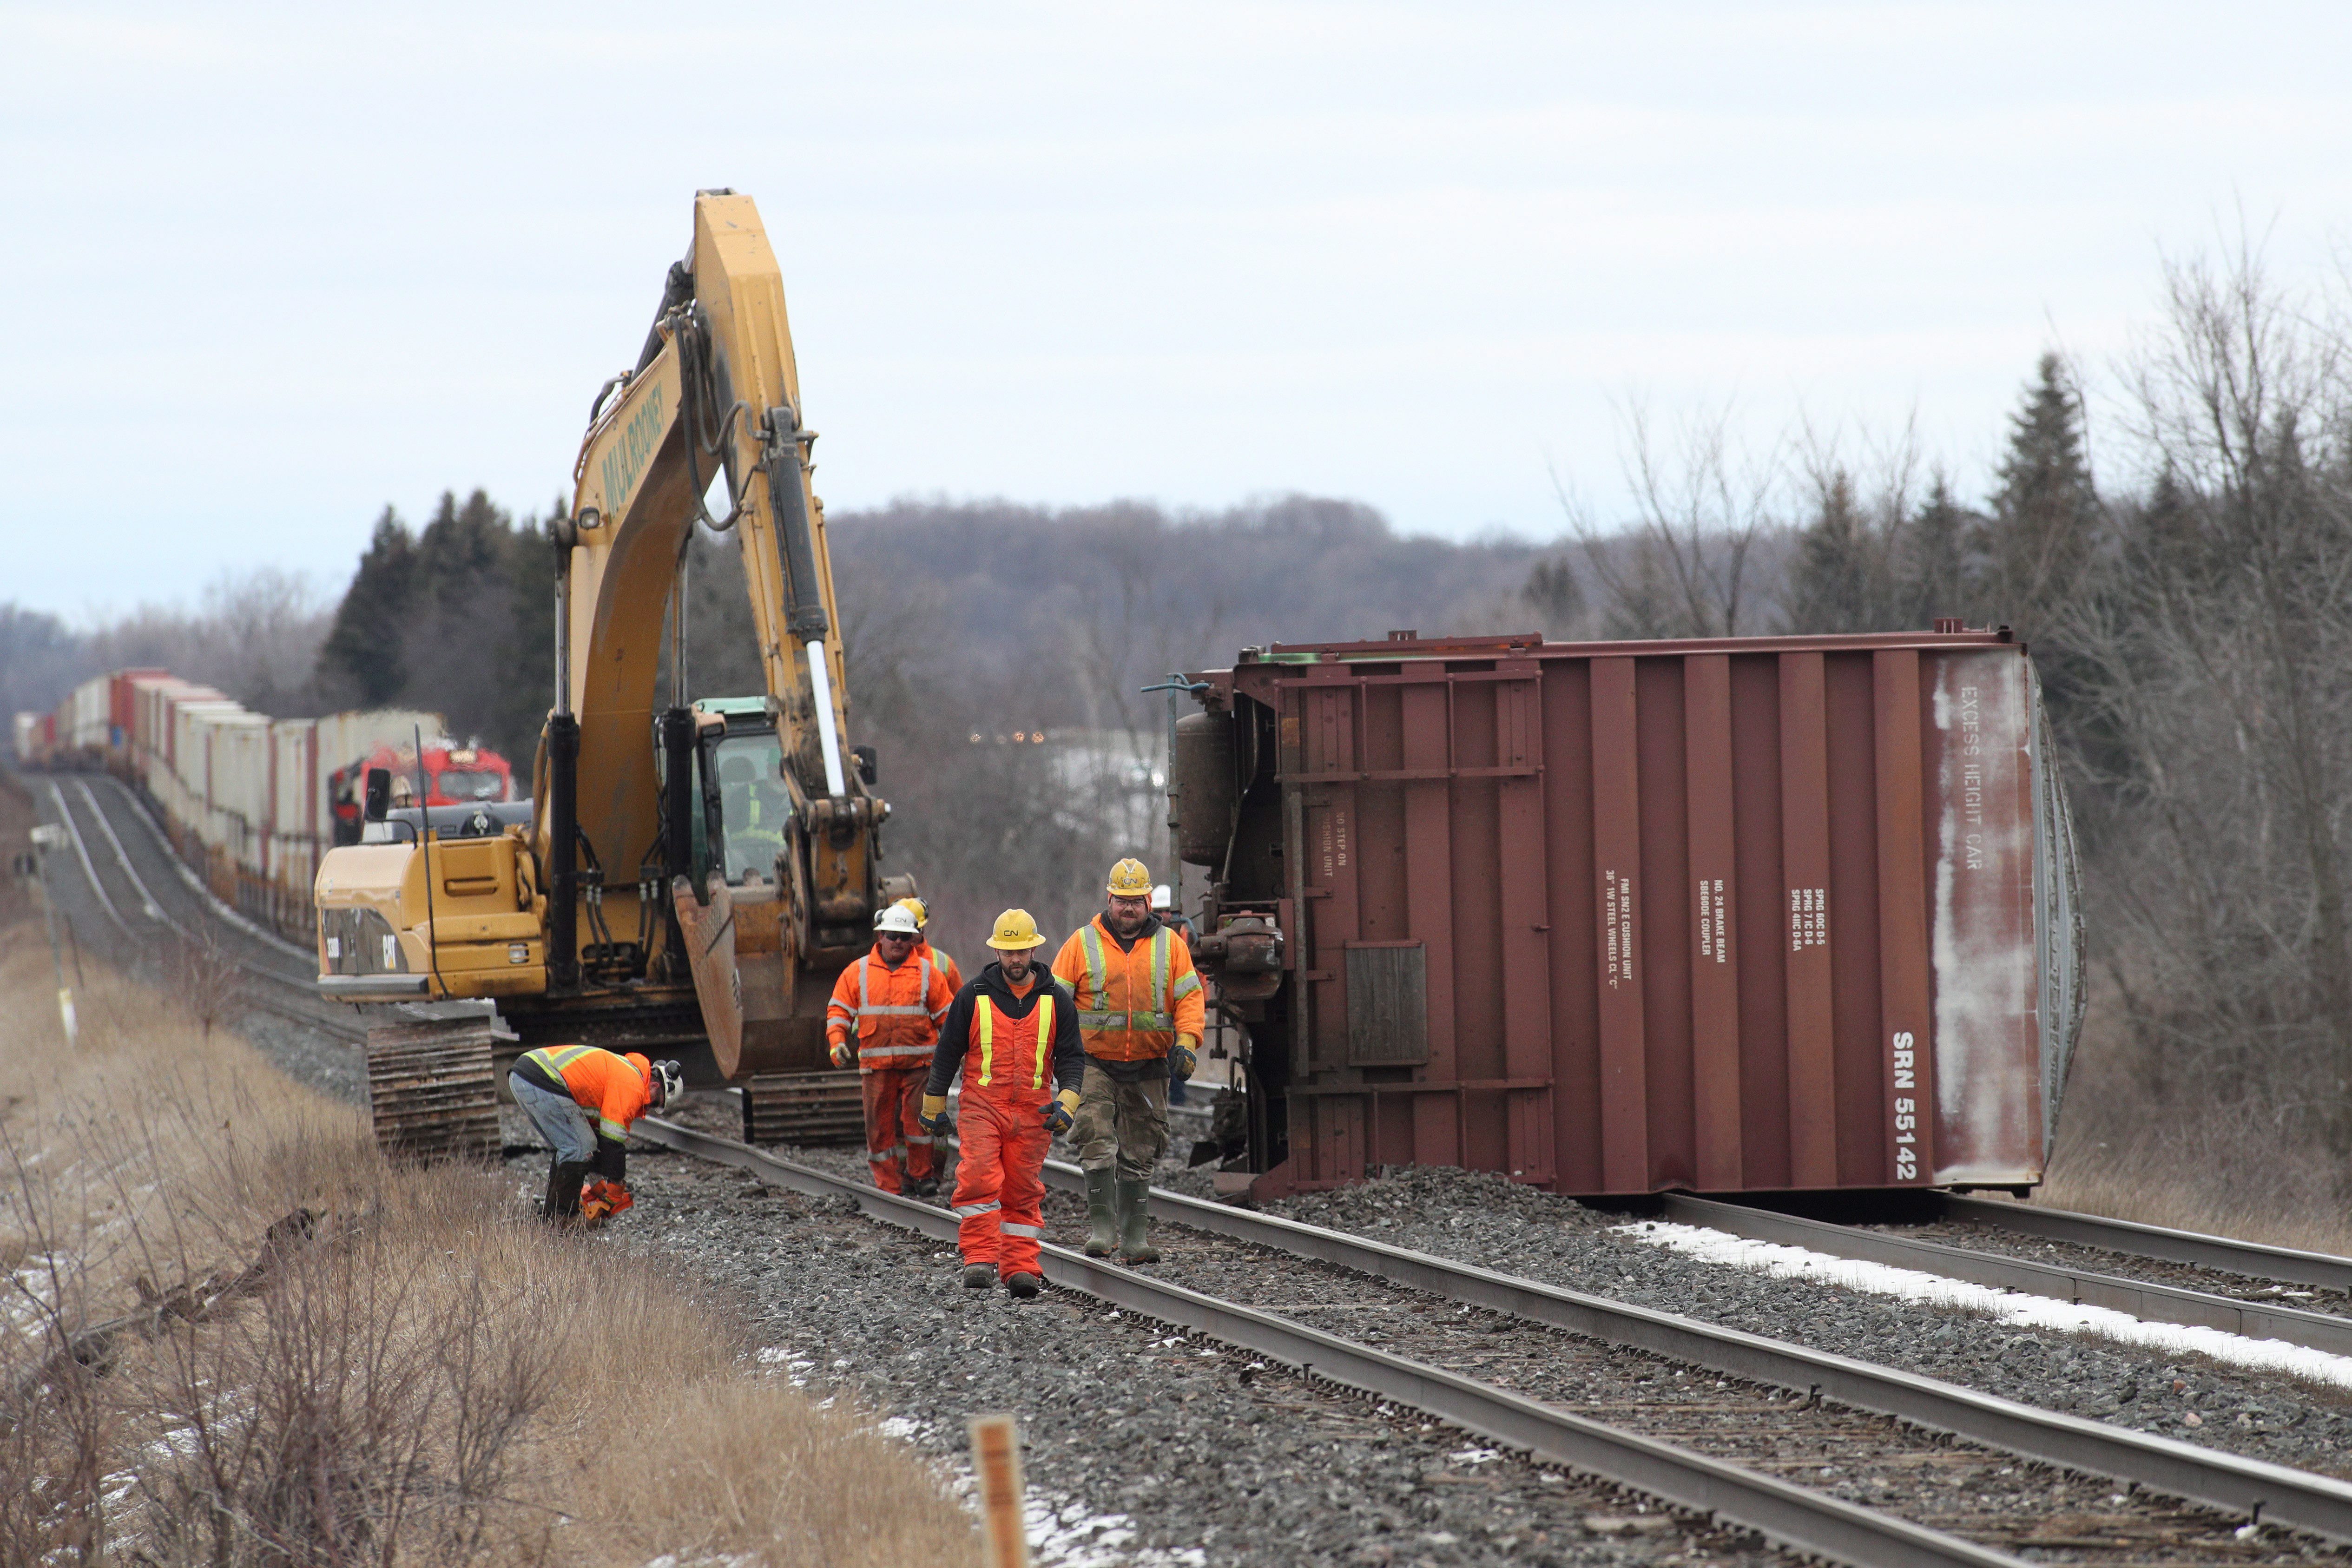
(686, 879)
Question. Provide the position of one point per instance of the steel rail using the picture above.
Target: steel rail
(1805, 1521)
(153, 910)
(2272, 1494)
(81, 853)
(148, 906)
(219, 908)
(2254, 1258)
(2160, 1303)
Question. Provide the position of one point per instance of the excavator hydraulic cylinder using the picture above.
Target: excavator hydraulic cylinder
(678, 794)
(563, 852)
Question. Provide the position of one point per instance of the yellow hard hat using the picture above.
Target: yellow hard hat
(1128, 879)
(917, 908)
(1015, 932)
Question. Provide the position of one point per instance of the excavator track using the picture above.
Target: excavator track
(805, 1107)
(432, 1089)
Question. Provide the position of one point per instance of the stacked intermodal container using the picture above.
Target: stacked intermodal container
(1614, 918)
(246, 801)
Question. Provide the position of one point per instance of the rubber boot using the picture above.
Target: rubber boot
(979, 1275)
(562, 1203)
(1134, 1235)
(1022, 1287)
(1102, 1223)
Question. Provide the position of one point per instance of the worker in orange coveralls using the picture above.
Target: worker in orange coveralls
(1014, 1032)
(561, 1089)
(884, 1016)
(923, 948)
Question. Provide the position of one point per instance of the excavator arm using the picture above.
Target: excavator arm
(715, 394)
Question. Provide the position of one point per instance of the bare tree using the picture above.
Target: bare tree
(1681, 569)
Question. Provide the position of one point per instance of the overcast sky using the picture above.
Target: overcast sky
(266, 270)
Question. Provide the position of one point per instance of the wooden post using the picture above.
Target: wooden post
(996, 1461)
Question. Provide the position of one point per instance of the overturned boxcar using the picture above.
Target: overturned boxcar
(1739, 914)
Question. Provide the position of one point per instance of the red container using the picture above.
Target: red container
(1613, 917)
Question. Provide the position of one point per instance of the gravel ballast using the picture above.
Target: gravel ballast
(1160, 1449)
(1489, 1221)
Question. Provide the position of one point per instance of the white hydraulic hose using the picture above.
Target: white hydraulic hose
(820, 680)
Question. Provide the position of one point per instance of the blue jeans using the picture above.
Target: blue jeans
(559, 1119)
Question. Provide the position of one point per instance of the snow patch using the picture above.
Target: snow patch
(2002, 1306)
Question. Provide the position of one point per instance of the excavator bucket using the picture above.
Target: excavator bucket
(709, 931)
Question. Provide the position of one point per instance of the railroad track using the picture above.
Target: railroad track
(2249, 1490)
(1360, 1314)
(94, 834)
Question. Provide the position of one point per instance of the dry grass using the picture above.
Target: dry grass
(2140, 1143)
(429, 1377)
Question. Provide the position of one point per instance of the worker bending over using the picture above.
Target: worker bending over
(884, 1016)
(584, 1099)
(923, 948)
(1014, 1033)
(1140, 1012)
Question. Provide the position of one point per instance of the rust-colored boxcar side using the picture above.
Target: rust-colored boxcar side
(1726, 915)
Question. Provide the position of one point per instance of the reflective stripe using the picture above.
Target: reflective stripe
(555, 1058)
(608, 1128)
(1045, 1018)
(867, 1008)
(1161, 941)
(1157, 1018)
(970, 1211)
(1090, 941)
(871, 1051)
(1100, 1021)
(1013, 1228)
(913, 1138)
(1186, 985)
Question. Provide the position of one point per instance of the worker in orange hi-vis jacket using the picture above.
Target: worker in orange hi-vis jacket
(1013, 1034)
(583, 1099)
(923, 948)
(1141, 1013)
(884, 1016)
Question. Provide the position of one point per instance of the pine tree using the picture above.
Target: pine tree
(364, 659)
(1934, 578)
(1834, 582)
(1553, 594)
(2045, 522)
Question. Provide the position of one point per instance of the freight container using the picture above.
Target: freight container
(1740, 914)
(86, 711)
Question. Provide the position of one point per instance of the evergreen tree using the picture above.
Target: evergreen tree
(1552, 592)
(1934, 577)
(2043, 531)
(1834, 581)
(364, 659)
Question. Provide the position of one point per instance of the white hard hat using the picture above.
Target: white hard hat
(897, 918)
(1160, 898)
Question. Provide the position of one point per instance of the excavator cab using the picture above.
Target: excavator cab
(744, 827)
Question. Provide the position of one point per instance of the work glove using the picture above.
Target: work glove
(604, 1199)
(1181, 1058)
(844, 1054)
(1062, 1110)
(934, 1118)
